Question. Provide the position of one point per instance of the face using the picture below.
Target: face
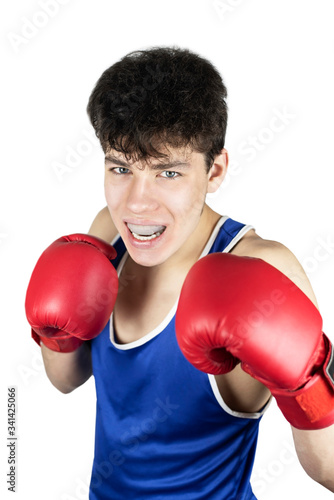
(157, 205)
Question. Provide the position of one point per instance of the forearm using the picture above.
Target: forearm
(68, 370)
(315, 450)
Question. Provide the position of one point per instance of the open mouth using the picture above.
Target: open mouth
(145, 233)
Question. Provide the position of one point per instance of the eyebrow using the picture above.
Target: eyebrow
(158, 166)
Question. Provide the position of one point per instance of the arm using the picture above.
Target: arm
(315, 448)
(69, 370)
(237, 308)
(315, 453)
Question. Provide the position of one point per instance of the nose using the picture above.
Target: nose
(142, 196)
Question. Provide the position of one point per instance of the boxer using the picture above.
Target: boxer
(167, 428)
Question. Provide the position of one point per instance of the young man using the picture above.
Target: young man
(165, 429)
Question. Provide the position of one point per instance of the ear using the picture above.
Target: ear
(218, 171)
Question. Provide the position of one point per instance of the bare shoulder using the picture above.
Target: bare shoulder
(239, 390)
(274, 252)
(279, 256)
(103, 226)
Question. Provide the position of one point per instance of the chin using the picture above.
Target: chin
(146, 260)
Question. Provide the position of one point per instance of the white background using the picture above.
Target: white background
(275, 56)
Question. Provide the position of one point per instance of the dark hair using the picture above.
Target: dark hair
(160, 96)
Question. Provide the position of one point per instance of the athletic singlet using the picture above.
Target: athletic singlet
(162, 429)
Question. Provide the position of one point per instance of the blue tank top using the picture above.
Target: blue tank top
(162, 429)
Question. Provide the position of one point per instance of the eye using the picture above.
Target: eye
(170, 174)
(119, 170)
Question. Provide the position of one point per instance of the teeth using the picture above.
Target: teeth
(146, 238)
(145, 233)
(145, 230)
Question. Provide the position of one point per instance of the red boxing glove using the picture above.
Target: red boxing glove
(234, 309)
(72, 292)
